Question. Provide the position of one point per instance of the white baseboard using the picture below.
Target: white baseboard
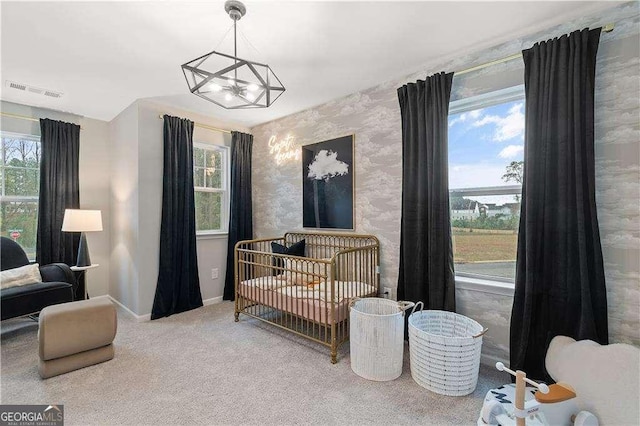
(101, 297)
(212, 301)
(138, 318)
(147, 317)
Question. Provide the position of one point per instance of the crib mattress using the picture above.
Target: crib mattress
(309, 302)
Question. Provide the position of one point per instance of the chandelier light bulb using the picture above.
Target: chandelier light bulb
(251, 97)
(215, 87)
(228, 97)
(252, 87)
(232, 82)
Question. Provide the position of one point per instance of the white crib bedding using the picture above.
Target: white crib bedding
(307, 301)
(268, 282)
(322, 291)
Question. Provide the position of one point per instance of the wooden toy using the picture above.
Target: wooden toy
(534, 405)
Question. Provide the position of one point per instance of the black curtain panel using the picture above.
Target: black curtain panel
(178, 288)
(59, 190)
(426, 255)
(560, 284)
(240, 215)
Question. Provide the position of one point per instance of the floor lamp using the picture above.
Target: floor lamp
(83, 221)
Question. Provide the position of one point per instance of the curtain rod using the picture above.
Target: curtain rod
(204, 126)
(23, 117)
(605, 28)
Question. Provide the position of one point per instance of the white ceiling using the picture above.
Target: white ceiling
(103, 56)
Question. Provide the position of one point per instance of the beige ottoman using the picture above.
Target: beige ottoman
(76, 335)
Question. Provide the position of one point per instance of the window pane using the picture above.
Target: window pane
(483, 143)
(21, 152)
(214, 169)
(21, 181)
(208, 211)
(198, 176)
(485, 234)
(20, 177)
(20, 218)
(198, 156)
(486, 150)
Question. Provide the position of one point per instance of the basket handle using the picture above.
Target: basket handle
(481, 333)
(416, 306)
(353, 301)
(403, 306)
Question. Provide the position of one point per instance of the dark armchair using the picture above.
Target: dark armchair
(57, 286)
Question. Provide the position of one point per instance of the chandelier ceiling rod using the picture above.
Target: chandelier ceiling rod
(235, 42)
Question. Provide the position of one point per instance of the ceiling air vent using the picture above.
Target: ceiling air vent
(15, 85)
(33, 89)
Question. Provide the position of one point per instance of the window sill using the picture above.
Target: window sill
(211, 236)
(484, 286)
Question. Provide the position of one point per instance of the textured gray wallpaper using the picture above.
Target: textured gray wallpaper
(374, 117)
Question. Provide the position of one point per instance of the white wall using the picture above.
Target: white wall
(123, 179)
(137, 205)
(121, 175)
(150, 173)
(94, 194)
(94, 178)
(212, 250)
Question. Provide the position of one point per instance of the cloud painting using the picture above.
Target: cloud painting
(326, 165)
(327, 184)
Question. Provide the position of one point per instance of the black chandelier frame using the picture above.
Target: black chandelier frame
(237, 91)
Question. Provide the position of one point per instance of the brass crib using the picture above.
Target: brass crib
(309, 295)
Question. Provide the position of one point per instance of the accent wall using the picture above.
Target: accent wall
(373, 115)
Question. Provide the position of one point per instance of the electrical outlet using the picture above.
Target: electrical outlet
(387, 292)
(214, 274)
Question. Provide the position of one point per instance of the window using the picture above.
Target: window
(20, 180)
(210, 182)
(486, 158)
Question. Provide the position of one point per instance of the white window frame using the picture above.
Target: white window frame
(225, 190)
(466, 280)
(486, 100)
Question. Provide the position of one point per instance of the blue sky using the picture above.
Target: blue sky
(483, 142)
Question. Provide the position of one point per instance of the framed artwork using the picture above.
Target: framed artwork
(328, 182)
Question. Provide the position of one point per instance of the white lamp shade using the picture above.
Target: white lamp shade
(76, 220)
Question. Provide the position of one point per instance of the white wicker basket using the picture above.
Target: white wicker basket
(376, 335)
(444, 349)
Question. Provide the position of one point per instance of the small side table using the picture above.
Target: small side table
(80, 271)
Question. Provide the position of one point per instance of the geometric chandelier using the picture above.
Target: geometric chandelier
(229, 81)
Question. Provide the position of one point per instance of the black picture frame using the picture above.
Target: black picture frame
(328, 184)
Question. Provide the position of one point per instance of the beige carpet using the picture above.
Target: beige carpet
(201, 367)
